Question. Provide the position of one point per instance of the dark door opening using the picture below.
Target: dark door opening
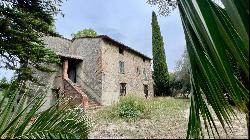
(122, 89)
(146, 90)
(72, 70)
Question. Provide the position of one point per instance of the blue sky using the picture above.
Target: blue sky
(127, 21)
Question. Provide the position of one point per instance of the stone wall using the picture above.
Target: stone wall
(48, 80)
(57, 44)
(51, 80)
(111, 76)
(71, 93)
(89, 70)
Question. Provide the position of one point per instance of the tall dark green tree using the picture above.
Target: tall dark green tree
(160, 74)
(22, 24)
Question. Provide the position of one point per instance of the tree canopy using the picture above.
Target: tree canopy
(22, 24)
(164, 6)
(84, 32)
(180, 79)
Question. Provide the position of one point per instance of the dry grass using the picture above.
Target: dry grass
(168, 119)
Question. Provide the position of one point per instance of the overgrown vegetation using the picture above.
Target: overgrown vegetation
(133, 107)
(130, 107)
(180, 78)
(168, 119)
(19, 120)
(164, 120)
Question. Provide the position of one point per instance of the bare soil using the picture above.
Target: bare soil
(169, 120)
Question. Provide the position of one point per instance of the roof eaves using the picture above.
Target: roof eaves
(126, 47)
(116, 42)
(70, 56)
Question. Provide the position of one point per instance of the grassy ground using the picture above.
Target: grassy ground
(168, 118)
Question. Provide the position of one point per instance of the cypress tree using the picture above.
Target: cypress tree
(160, 73)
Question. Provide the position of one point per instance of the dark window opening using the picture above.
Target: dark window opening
(121, 50)
(137, 70)
(146, 90)
(144, 60)
(122, 89)
(72, 70)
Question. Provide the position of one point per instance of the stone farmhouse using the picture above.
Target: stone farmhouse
(96, 71)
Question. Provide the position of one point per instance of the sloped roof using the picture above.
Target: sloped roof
(70, 56)
(107, 38)
(61, 45)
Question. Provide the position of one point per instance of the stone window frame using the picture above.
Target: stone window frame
(122, 67)
(145, 86)
(145, 74)
(123, 89)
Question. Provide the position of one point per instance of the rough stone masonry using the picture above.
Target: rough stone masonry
(104, 69)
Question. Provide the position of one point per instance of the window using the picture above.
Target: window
(145, 74)
(121, 65)
(144, 60)
(145, 90)
(122, 89)
(137, 71)
(121, 50)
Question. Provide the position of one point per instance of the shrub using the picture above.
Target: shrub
(131, 107)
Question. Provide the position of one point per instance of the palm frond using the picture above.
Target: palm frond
(54, 123)
(210, 35)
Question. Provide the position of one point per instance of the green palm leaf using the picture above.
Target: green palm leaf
(210, 35)
(238, 11)
(53, 123)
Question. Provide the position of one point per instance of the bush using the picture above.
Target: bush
(131, 107)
